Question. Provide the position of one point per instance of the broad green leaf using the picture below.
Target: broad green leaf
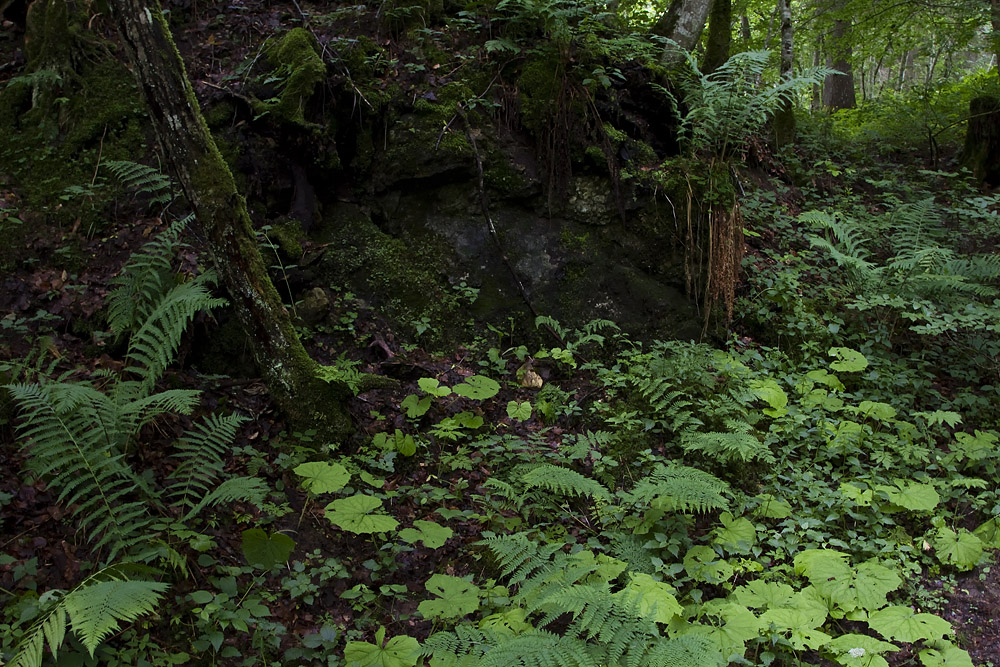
(872, 583)
(322, 477)
(824, 377)
(703, 564)
(961, 549)
(801, 612)
(945, 654)
(519, 411)
(264, 551)
(905, 625)
(854, 650)
(510, 622)
(982, 445)
(416, 407)
(433, 387)
(858, 496)
(653, 594)
(432, 534)
(913, 496)
(477, 387)
(989, 533)
(398, 441)
(402, 651)
(771, 393)
(737, 625)
(357, 514)
(760, 594)
(772, 507)
(880, 411)
(455, 597)
(847, 588)
(604, 567)
(735, 535)
(848, 360)
(952, 419)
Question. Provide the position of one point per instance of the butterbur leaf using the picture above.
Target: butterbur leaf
(905, 625)
(735, 626)
(477, 387)
(402, 651)
(735, 535)
(703, 564)
(416, 407)
(433, 387)
(322, 477)
(432, 534)
(358, 514)
(519, 411)
(855, 650)
(945, 654)
(760, 594)
(455, 597)
(848, 360)
(961, 549)
(264, 551)
(771, 393)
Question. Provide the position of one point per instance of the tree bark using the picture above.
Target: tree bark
(720, 35)
(683, 22)
(224, 223)
(982, 140)
(838, 89)
(784, 116)
(995, 35)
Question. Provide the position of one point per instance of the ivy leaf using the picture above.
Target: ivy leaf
(945, 654)
(519, 411)
(456, 597)
(653, 594)
(848, 360)
(961, 549)
(416, 407)
(905, 625)
(355, 514)
(402, 651)
(322, 477)
(264, 551)
(478, 387)
(432, 534)
(913, 496)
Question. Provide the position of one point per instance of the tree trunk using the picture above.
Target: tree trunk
(995, 35)
(224, 223)
(982, 140)
(784, 116)
(683, 22)
(838, 89)
(720, 35)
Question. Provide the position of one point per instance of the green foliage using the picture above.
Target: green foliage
(359, 514)
(143, 180)
(563, 481)
(266, 551)
(396, 652)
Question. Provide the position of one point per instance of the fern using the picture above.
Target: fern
(563, 481)
(200, 452)
(685, 651)
(143, 180)
(677, 488)
(729, 447)
(93, 610)
(540, 649)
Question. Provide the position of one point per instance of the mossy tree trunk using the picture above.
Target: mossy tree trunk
(683, 22)
(784, 117)
(720, 35)
(224, 222)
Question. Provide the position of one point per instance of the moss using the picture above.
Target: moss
(296, 59)
(539, 88)
(286, 234)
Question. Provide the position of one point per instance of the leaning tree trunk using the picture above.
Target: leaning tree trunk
(784, 116)
(684, 22)
(222, 217)
(720, 35)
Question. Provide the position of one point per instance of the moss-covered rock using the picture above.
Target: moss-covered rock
(296, 60)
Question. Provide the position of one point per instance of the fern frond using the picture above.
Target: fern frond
(678, 488)
(685, 651)
(729, 447)
(142, 179)
(143, 281)
(614, 621)
(540, 649)
(200, 452)
(248, 489)
(155, 343)
(519, 556)
(563, 481)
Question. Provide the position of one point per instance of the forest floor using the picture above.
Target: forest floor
(54, 317)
